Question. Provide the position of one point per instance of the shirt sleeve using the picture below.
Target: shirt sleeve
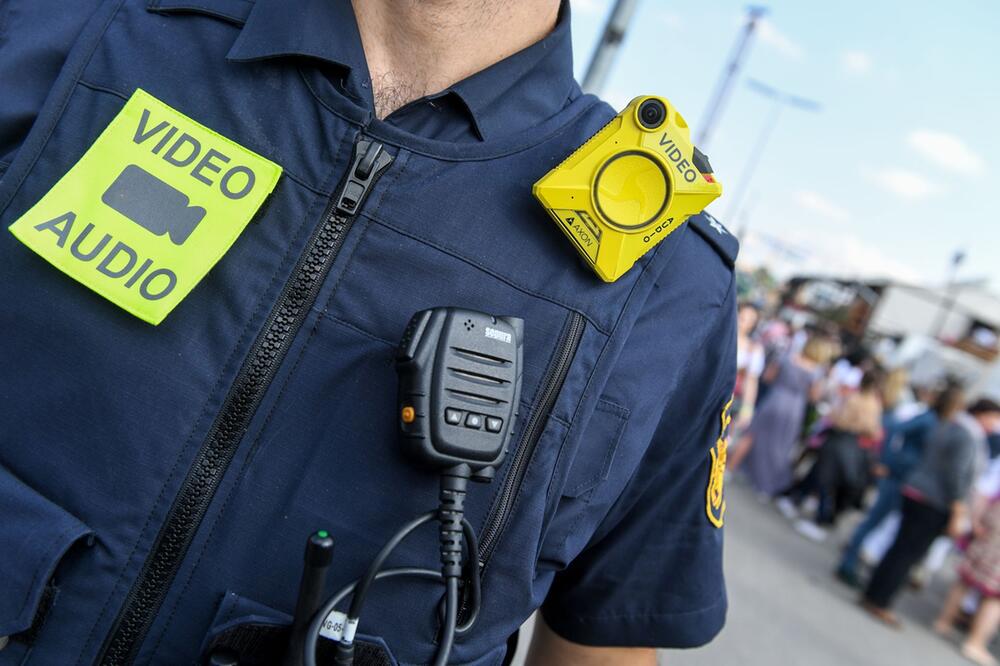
(35, 38)
(652, 573)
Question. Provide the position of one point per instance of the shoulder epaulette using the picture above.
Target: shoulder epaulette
(724, 242)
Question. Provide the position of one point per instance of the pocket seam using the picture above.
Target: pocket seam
(504, 279)
(43, 564)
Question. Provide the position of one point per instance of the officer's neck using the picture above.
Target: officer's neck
(419, 47)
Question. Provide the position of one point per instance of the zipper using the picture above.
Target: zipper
(258, 370)
(552, 384)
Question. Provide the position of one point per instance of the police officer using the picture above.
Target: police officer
(168, 443)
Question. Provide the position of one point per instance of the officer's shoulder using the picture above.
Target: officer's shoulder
(712, 231)
(705, 225)
(595, 113)
(702, 261)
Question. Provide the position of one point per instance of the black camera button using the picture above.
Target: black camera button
(494, 424)
(474, 421)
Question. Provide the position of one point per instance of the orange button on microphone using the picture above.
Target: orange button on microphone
(408, 414)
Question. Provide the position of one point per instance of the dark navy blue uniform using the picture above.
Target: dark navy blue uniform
(157, 482)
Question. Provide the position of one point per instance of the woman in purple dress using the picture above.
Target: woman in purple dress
(767, 447)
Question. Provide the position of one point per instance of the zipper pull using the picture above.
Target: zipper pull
(370, 160)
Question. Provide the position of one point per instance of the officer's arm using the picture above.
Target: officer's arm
(547, 647)
(651, 573)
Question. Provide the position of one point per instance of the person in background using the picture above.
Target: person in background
(979, 576)
(901, 451)
(770, 440)
(993, 442)
(845, 375)
(973, 575)
(935, 499)
(842, 470)
(749, 365)
(776, 336)
(895, 395)
(800, 336)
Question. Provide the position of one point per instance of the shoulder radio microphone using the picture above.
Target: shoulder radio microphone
(459, 387)
(629, 186)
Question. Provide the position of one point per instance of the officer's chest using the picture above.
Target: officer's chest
(441, 227)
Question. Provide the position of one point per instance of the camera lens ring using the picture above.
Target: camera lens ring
(611, 220)
(652, 113)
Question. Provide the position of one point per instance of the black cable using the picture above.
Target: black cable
(450, 513)
(472, 576)
(453, 530)
(354, 612)
(312, 635)
(344, 654)
(450, 620)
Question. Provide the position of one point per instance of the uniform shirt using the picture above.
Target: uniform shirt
(162, 479)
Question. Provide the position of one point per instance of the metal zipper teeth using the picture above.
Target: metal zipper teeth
(551, 386)
(204, 476)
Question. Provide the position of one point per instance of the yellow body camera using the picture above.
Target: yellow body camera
(629, 186)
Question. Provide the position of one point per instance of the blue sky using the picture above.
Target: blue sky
(899, 169)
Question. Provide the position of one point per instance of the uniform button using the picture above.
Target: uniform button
(453, 416)
(494, 423)
(474, 421)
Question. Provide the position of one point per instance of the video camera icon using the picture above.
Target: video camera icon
(153, 204)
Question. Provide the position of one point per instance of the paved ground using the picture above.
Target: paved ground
(787, 610)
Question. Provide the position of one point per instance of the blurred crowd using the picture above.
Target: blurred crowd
(822, 429)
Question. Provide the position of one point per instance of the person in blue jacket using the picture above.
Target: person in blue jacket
(902, 448)
(158, 482)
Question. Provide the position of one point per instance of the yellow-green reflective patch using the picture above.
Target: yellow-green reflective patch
(149, 208)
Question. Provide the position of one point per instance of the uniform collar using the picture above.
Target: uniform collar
(517, 92)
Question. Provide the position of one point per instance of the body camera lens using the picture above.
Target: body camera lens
(652, 113)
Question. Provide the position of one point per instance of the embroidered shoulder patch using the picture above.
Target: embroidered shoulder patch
(151, 206)
(715, 502)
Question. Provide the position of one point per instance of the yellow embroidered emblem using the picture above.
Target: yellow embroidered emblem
(715, 503)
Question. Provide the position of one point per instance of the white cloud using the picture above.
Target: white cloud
(779, 41)
(856, 62)
(817, 250)
(904, 184)
(817, 203)
(946, 150)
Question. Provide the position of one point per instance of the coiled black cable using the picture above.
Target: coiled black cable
(345, 653)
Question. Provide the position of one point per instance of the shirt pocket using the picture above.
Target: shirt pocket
(35, 535)
(392, 275)
(258, 635)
